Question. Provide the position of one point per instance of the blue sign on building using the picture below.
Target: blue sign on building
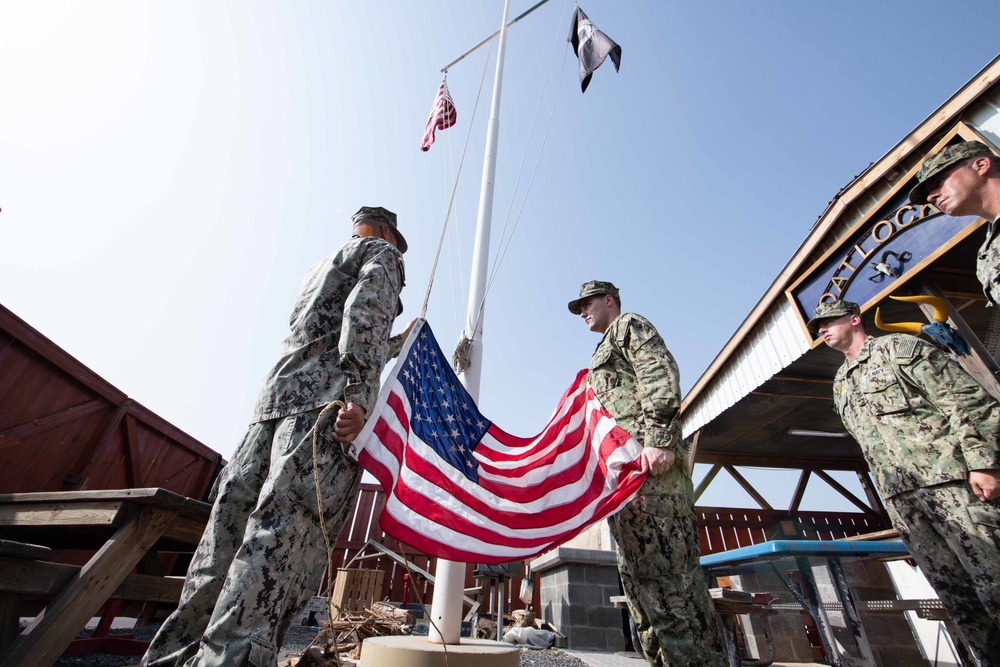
(881, 255)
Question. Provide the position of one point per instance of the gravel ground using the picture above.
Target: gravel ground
(549, 658)
(298, 638)
(106, 659)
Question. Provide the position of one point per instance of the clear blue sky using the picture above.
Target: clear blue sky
(169, 171)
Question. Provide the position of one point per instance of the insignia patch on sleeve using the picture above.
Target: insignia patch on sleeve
(905, 349)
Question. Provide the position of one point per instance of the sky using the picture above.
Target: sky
(170, 171)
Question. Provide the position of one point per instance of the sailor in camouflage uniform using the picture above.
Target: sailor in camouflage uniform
(637, 380)
(964, 179)
(929, 433)
(262, 554)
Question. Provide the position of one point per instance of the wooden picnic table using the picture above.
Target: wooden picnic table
(778, 556)
(125, 530)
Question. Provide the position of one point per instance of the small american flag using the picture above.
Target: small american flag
(458, 487)
(443, 115)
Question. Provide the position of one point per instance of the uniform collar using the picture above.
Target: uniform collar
(991, 229)
(607, 332)
(863, 354)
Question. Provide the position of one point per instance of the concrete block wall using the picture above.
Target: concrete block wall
(576, 586)
(788, 633)
(889, 635)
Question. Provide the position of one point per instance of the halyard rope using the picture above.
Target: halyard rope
(505, 243)
(322, 521)
(454, 190)
(464, 345)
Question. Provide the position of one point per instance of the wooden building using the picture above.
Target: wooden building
(64, 428)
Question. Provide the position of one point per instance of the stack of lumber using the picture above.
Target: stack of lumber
(343, 637)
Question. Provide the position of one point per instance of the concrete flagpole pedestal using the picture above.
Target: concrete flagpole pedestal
(410, 651)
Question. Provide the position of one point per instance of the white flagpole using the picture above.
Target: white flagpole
(449, 577)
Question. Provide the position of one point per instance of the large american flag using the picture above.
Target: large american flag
(443, 115)
(459, 487)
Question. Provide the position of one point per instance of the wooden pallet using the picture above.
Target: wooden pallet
(355, 590)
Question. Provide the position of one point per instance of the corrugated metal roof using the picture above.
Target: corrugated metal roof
(985, 117)
(777, 341)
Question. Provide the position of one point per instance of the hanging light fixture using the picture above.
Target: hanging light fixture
(816, 434)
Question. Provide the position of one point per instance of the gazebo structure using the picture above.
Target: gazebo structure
(766, 399)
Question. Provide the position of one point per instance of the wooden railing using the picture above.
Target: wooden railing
(396, 585)
(725, 528)
(719, 529)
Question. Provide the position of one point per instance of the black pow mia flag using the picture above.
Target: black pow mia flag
(591, 46)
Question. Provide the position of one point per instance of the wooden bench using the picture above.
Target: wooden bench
(119, 532)
(23, 574)
(730, 604)
(14, 557)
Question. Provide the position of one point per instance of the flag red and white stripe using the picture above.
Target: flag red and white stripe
(443, 115)
(459, 487)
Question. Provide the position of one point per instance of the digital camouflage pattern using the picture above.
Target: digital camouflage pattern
(592, 288)
(988, 258)
(636, 379)
(658, 558)
(339, 337)
(919, 417)
(382, 215)
(923, 423)
(262, 554)
(940, 161)
(955, 539)
(988, 264)
(830, 309)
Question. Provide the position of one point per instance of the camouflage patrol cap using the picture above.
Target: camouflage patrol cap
(830, 309)
(592, 288)
(382, 215)
(940, 161)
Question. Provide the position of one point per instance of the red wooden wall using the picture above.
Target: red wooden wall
(63, 428)
(719, 529)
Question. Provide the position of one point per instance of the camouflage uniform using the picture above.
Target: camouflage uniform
(988, 264)
(923, 424)
(262, 555)
(637, 380)
(988, 259)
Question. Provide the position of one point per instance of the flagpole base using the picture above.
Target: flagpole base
(409, 651)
